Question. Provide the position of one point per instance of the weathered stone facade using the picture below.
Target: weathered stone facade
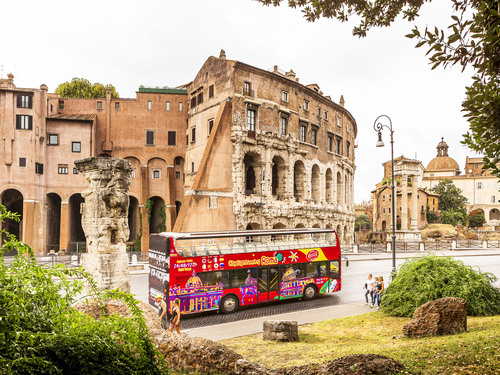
(439, 317)
(104, 220)
(266, 151)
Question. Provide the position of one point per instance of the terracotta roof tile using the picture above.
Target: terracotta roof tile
(79, 117)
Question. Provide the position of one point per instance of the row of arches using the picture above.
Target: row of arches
(57, 219)
(306, 184)
(492, 214)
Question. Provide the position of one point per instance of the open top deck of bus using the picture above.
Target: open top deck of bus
(236, 242)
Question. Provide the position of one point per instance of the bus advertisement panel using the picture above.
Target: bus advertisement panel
(221, 276)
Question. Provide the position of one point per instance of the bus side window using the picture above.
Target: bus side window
(243, 276)
(334, 269)
(225, 279)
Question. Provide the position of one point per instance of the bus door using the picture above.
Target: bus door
(268, 283)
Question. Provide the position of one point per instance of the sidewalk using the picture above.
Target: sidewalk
(251, 326)
(414, 254)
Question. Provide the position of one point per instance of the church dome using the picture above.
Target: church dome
(442, 161)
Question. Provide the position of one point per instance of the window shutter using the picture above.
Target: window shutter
(30, 122)
(30, 102)
(19, 101)
(18, 121)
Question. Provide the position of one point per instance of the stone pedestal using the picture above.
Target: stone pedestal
(281, 330)
(105, 221)
(406, 236)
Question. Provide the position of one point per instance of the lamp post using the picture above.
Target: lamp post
(378, 126)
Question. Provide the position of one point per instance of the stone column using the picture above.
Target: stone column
(404, 203)
(105, 221)
(414, 204)
(64, 226)
(143, 210)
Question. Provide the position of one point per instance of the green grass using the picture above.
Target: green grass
(476, 351)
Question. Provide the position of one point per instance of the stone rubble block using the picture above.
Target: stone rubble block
(281, 330)
(442, 316)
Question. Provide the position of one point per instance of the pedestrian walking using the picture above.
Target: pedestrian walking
(379, 289)
(175, 322)
(162, 313)
(369, 289)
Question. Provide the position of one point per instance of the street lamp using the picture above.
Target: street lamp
(378, 126)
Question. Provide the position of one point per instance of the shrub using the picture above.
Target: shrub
(421, 280)
(41, 332)
(476, 219)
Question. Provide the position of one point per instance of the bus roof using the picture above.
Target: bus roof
(243, 233)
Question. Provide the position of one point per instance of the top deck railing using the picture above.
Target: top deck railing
(238, 247)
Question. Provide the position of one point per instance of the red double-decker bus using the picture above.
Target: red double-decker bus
(224, 270)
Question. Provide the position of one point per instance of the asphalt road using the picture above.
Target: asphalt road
(353, 276)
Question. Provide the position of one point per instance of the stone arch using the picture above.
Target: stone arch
(339, 188)
(76, 233)
(329, 186)
(315, 184)
(135, 164)
(299, 181)
(13, 200)
(494, 214)
(339, 233)
(133, 218)
(53, 215)
(279, 226)
(252, 170)
(252, 226)
(384, 225)
(157, 176)
(104, 155)
(157, 215)
(346, 233)
(278, 178)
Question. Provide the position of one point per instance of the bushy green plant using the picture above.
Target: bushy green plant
(476, 219)
(424, 279)
(42, 333)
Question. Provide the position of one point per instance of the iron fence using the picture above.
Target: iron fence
(407, 246)
(469, 244)
(493, 244)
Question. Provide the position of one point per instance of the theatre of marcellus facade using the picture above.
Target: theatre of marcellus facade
(237, 148)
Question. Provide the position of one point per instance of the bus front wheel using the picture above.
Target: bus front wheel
(310, 292)
(229, 304)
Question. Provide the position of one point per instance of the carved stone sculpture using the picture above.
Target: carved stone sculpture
(105, 221)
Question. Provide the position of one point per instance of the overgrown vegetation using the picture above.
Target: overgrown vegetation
(476, 218)
(420, 280)
(41, 332)
(81, 88)
(471, 352)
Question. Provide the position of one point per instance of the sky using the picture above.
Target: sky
(164, 43)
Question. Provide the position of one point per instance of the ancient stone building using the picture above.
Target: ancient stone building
(259, 147)
(478, 185)
(265, 151)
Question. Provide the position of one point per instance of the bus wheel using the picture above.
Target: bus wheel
(310, 292)
(229, 304)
